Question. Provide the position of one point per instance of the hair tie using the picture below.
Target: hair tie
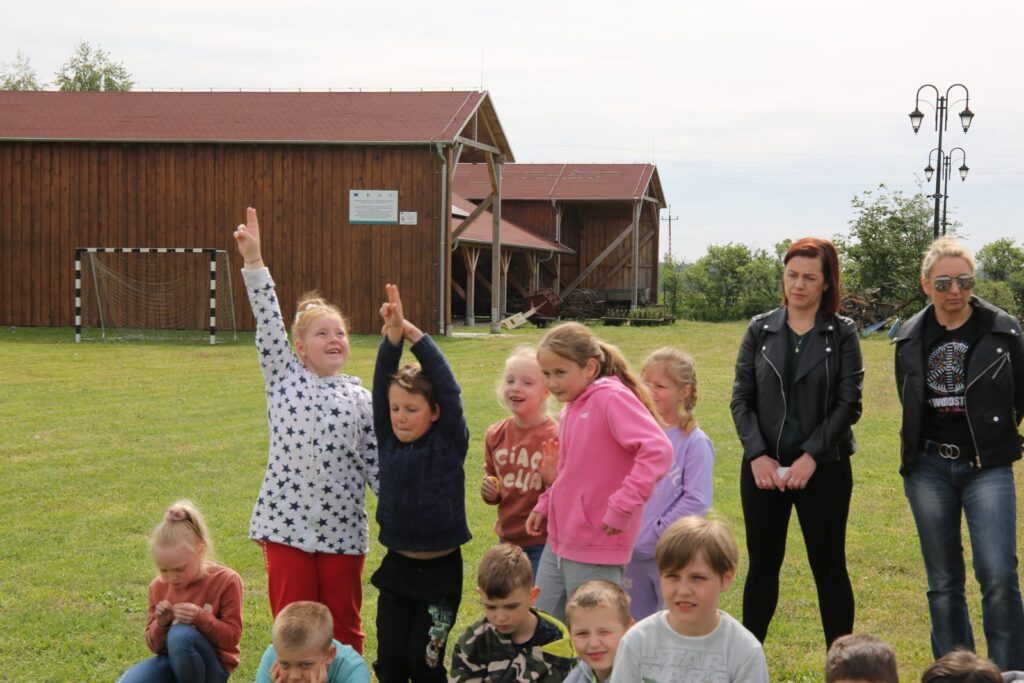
(306, 307)
(176, 515)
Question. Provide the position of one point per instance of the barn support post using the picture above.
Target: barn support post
(506, 261)
(472, 257)
(494, 166)
(558, 238)
(534, 264)
(635, 279)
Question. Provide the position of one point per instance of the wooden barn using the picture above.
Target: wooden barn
(354, 190)
(606, 214)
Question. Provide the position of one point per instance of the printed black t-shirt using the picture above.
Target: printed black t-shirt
(945, 373)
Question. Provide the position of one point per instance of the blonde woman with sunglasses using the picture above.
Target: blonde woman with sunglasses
(960, 377)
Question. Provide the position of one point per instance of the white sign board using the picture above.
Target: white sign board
(407, 218)
(378, 207)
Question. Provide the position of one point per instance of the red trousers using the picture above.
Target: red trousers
(334, 580)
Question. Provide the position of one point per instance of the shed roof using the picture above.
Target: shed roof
(355, 118)
(566, 182)
(479, 232)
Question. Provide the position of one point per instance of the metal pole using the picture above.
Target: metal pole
(945, 194)
(940, 114)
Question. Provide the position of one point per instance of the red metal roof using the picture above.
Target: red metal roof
(296, 117)
(479, 231)
(562, 181)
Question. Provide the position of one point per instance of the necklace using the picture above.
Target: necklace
(797, 340)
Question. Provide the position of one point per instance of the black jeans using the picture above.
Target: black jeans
(822, 508)
(416, 609)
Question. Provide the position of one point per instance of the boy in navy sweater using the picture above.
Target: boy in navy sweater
(422, 443)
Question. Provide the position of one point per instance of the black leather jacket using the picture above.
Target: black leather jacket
(994, 397)
(826, 387)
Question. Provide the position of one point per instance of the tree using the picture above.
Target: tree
(91, 70)
(19, 75)
(672, 282)
(885, 243)
(730, 282)
(997, 292)
(1000, 259)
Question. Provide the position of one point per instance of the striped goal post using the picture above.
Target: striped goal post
(147, 250)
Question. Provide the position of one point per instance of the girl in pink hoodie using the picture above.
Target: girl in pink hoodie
(611, 452)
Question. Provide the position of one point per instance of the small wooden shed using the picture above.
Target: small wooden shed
(166, 169)
(607, 214)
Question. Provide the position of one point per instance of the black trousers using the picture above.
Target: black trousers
(822, 508)
(416, 609)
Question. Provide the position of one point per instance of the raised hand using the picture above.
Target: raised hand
(247, 239)
(392, 314)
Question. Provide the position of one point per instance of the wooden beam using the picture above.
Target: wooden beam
(635, 279)
(506, 261)
(458, 289)
(483, 281)
(471, 255)
(455, 163)
(523, 291)
(491, 149)
(596, 262)
(622, 262)
(483, 206)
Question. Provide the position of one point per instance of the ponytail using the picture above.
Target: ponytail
(613, 363)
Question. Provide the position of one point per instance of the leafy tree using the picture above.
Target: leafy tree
(19, 75)
(885, 243)
(731, 282)
(997, 292)
(1000, 259)
(672, 283)
(91, 70)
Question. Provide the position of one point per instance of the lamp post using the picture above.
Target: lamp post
(941, 119)
(945, 172)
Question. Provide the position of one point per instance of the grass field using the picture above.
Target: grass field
(98, 438)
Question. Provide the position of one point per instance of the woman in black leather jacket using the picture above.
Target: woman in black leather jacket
(799, 376)
(960, 377)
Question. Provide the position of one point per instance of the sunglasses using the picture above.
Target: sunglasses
(943, 283)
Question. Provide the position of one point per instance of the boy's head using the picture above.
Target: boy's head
(505, 585)
(961, 666)
(696, 558)
(860, 658)
(597, 615)
(302, 641)
(414, 407)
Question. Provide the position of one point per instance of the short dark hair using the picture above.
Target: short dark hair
(690, 536)
(824, 251)
(961, 666)
(861, 657)
(503, 569)
(412, 378)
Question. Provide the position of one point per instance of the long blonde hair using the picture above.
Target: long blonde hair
(183, 523)
(576, 343)
(680, 368)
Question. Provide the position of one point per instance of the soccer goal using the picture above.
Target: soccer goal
(133, 293)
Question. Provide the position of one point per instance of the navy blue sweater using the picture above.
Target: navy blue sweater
(422, 502)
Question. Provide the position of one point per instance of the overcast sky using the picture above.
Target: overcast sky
(764, 118)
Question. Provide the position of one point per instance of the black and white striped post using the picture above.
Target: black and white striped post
(146, 250)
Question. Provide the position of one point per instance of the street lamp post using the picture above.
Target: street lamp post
(941, 119)
(945, 173)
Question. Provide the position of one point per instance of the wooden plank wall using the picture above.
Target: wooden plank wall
(55, 197)
(588, 227)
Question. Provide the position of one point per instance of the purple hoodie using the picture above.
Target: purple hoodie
(685, 490)
(611, 452)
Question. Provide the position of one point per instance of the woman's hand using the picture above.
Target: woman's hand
(489, 489)
(536, 523)
(766, 473)
(610, 530)
(164, 615)
(549, 461)
(247, 239)
(186, 612)
(800, 472)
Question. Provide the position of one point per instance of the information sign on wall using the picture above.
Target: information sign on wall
(377, 207)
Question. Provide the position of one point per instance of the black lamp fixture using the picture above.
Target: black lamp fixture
(941, 120)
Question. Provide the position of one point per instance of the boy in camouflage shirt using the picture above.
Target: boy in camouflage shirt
(513, 643)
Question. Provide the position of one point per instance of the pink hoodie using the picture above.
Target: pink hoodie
(611, 453)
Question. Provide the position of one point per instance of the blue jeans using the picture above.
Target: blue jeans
(189, 658)
(938, 489)
(534, 552)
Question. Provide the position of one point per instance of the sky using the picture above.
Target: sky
(764, 118)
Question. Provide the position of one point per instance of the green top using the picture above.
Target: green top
(791, 442)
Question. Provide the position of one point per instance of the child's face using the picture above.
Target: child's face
(596, 632)
(667, 395)
(691, 595)
(524, 390)
(308, 663)
(511, 615)
(566, 379)
(324, 345)
(179, 565)
(411, 416)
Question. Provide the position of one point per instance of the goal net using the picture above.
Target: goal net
(126, 293)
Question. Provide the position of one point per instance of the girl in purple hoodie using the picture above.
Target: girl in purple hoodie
(671, 377)
(611, 452)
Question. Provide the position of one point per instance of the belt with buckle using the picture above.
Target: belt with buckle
(949, 451)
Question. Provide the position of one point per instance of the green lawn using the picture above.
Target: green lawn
(99, 437)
